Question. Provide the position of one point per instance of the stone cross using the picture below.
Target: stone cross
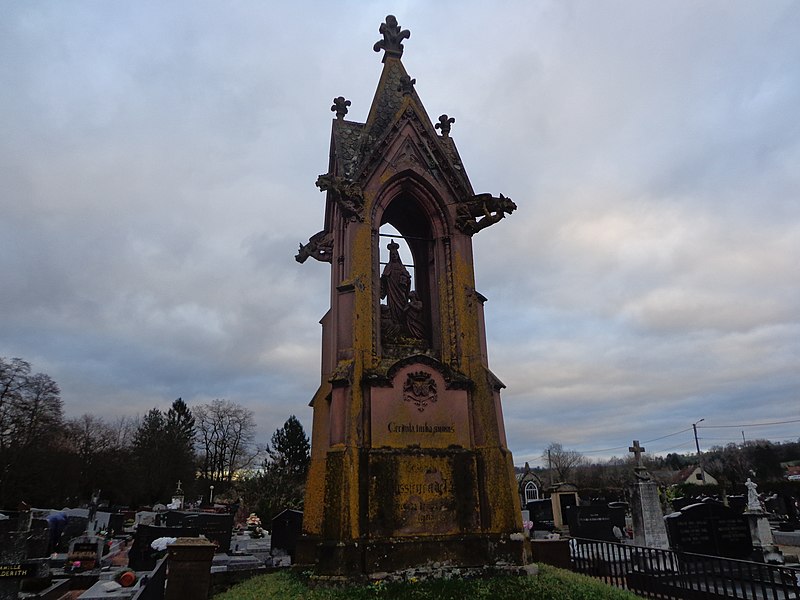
(637, 450)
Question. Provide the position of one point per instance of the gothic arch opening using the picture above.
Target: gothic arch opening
(407, 290)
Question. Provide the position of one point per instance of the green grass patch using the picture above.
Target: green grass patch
(550, 584)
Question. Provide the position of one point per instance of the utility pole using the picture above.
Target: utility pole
(699, 456)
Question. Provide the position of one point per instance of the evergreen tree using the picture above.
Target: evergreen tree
(163, 446)
(282, 482)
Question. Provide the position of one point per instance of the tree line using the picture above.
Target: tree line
(730, 465)
(48, 460)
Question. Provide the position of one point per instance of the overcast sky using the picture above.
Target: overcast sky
(157, 169)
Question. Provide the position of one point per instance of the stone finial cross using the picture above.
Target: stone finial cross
(637, 450)
(444, 124)
(340, 106)
(393, 36)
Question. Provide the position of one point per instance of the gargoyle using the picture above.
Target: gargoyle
(347, 195)
(319, 247)
(485, 207)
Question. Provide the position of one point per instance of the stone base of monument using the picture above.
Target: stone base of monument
(507, 553)
(764, 548)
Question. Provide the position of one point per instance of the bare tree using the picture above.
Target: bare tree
(562, 461)
(31, 413)
(225, 433)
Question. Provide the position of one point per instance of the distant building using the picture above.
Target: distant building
(529, 486)
(691, 474)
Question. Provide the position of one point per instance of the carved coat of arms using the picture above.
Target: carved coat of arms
(420, 388)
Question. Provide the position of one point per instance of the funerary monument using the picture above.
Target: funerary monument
(409, 462)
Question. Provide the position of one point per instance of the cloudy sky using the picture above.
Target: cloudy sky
(157, 169)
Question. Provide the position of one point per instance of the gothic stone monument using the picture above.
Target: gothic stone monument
(409, 462)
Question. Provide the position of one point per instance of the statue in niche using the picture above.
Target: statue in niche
(414, 319)
(401, 316)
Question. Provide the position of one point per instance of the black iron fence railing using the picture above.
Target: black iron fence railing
(668, 575)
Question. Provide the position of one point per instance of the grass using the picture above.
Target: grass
(550, 584)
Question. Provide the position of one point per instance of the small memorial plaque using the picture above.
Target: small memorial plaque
(419, 410)
(419, 495)
(18, 570)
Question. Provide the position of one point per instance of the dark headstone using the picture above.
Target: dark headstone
(681, 502)
(595, 522)
(541, 513)
(141, 556)
(38, 536)
(286, 528)
(116, 524)
(218, 528)
(15, 564)
(737, 503)
(75, 527)
(87, 550)
(710, 528)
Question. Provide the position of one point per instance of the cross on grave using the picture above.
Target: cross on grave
(637, 450)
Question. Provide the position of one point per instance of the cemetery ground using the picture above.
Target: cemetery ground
(550, 584)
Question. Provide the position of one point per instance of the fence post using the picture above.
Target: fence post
(189, 569)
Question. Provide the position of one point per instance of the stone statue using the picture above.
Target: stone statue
(395, 286)
(753, 503)
(485, 207)
(414, 320)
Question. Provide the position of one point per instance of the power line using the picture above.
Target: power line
(750, 424)
(644, 442)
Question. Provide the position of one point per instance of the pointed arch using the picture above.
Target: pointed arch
(409, 203)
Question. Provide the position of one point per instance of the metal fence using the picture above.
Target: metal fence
(668, 575)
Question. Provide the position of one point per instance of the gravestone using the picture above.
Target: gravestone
(76, 526)
(141, 556)
(286, 528)
(145, 517)
(711, 528)
(541, 513)
(648, 518)
(595, 522)
(16, 565)
(218, 528)
(116, 524)
(87, 551)
(736, 502)
(100, 522)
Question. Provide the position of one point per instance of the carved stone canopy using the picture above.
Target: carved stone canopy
(393, 36)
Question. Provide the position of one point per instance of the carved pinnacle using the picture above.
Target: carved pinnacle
(406, 85)
(444, 124)
(393, 36)
(340, 106)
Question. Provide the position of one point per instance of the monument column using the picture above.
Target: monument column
(648, 518)
(409, 461)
